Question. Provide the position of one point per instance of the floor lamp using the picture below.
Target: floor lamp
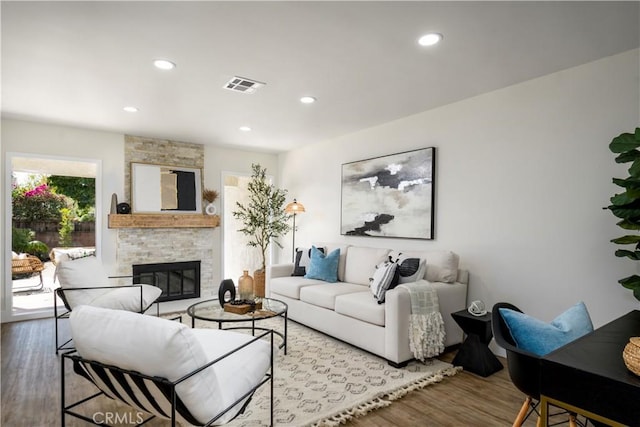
(294, 208)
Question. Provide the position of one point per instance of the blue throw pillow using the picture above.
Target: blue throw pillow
(323, 267)
(540, 337)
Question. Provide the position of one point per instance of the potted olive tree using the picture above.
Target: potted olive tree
(263, 219)
(626, 205)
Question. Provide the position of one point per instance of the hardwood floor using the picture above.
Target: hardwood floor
(31, 390)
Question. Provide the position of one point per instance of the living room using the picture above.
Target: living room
(523, 170)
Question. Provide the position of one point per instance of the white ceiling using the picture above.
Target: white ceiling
(80, 63)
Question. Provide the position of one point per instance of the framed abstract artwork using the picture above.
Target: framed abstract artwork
(389, 196)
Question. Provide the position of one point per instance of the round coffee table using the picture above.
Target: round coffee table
(211, 311)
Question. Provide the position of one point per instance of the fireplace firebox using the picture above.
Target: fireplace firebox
(177, 280)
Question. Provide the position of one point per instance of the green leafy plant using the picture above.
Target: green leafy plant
(626, 205)
(22, 242)
(263, 217)
(66, 227)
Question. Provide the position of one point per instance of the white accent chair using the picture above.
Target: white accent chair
(166, 369)
(83, 281)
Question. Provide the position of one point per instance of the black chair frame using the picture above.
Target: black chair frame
(523, 367)
(167, 387)
(59, 292)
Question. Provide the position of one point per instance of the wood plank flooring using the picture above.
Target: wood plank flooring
(31, 390)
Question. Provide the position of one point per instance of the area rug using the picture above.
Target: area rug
(325, 382)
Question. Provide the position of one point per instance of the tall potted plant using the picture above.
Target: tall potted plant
(263, 219)
(626, 205)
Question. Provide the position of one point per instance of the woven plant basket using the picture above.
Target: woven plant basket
(631, 355)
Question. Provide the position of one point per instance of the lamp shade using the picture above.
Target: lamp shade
(294, 207)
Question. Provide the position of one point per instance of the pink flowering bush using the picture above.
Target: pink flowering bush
(38, 204)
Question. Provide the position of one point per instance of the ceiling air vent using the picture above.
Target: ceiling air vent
(241, 84)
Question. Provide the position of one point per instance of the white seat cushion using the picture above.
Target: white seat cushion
(290, 286)
(168, 349)
(325, 295)
(362, 306)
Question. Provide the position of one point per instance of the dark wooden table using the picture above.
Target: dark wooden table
(588, 376)
(474, 354)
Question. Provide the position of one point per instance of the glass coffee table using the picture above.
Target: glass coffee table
(211, 311)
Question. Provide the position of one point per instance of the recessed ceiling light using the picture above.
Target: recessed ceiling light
(430, 39)
(245, 128)
(164, 64)
(307, 100)
(130, 109)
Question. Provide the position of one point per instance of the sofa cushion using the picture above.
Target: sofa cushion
(441, 266)
(325, 295)
(168, 349)
(361, 263)
(361, 306)
(383, 278)
(330, 247)
(539, 337)
(290, 286)
(303, 258)
(323, 267)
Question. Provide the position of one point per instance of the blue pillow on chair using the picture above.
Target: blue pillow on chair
(323, 267)
(540, 337)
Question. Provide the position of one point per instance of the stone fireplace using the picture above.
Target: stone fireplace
(137, 246)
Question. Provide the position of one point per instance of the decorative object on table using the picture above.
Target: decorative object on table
(294, 208)
(242, 306)
(477, 308)
(210, 196)
(114, 204)
(625, 205)
(237, 307)
(263, 219)
(245, 286)
(226, 292)
(631, 355)
(123, 208)
(389, 196)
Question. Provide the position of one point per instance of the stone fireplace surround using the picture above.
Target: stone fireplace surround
(159, 245)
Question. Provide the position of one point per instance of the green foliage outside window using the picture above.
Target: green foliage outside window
(22, 242)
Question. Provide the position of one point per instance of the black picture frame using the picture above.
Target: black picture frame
(390, 196)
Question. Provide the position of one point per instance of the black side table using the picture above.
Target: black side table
(474, 354)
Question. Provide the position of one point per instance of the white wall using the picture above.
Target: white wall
(522, 175)
(61, 141)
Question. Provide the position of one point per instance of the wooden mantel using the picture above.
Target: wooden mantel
(163, 221)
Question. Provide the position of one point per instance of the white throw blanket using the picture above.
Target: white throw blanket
(426, 327)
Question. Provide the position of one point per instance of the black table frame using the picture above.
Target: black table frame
(588, 376)
(245, 318)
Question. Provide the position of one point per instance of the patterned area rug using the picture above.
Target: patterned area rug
(324, 382)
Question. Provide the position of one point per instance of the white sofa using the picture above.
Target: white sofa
(347, 309)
